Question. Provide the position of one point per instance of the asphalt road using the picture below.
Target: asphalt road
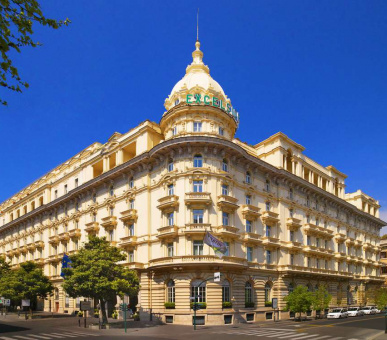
(357, 328)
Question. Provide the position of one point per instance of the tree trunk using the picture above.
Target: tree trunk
(103, 311)
(31, 312)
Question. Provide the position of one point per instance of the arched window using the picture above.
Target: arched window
(170, 165)
(248, 177)
(225, 165)
(171, 291)
(290, 288)
(248, 294)
(198, 291)
(198, 161)
(267, 292)
(226, 291)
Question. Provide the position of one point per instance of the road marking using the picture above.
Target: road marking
(40, 336)
(322, 337)
(306, 336)
(88, 334)
(292, 336)
(55, 336)
(277, 335)
(29, 337)
(6, 338)
(278, 329)
(66, 335)
(337, 338)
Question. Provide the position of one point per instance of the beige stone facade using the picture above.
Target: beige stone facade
(157, 189)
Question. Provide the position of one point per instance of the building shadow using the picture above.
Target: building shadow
(6, 328)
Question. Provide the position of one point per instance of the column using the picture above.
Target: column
(119, 157)
(106, 164)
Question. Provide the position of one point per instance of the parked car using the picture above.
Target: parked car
(377, 311)
(355, 311)
(338, 313)
(368, 310)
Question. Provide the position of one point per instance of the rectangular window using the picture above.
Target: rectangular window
(292, 259)
(170, 190)
(171, 219)
(111, 211)
(317, 263)
(317, 242)
(111, 235)
(197, 126)
(198, 186)
(309, 261)
(326, 264)
(224, 189)
(227, 244)
(56, 194)
(76, 183)
(65, 189)
(75, 244)
(268, 231)
(221, 131)
(291, 213)
(131, 204)
(198, 216)
(249, 254)
(308, 241)
(225, 218)
(130, 256)
(268, 206)
(291, 236)
(198, 247)
(170, 249)
(170, 166)
(248, 226)
(248, 199)
(174, 131)
(268, 256)
(131, 229)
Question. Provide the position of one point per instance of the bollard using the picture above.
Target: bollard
(79, 322)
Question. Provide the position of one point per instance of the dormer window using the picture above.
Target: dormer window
(197, 126)
(225, 165)
(177, 101)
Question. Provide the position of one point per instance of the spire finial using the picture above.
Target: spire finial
(197, 26)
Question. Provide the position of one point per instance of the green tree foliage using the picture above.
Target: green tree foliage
(321, 298)
(26, 282)
(380, 298)
(16, 28)
(95, 273)
(4, 266)
(299, 301)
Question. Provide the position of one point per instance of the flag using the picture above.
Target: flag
(65, 263)
(219, 247)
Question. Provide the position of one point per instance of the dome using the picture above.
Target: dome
(197, 79)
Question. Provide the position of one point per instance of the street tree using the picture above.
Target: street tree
(96, 273)
(17, 18)
(4, 266)
(299, 301)
(321, 298)
(26, 282)
(380, 298)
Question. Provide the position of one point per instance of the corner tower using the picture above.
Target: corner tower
(198, 105)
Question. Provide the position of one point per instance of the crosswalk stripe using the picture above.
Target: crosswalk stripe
(40, 336)
(279, 329)
(292, 335)
(277, 335)
(322, 337)
(29, 337)
(66, 335)
(72, 335)
(55, 336)
(83, 333)
(306, 336)
(337, 338)
(5, 338)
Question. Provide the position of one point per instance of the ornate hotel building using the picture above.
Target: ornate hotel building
(155, 191)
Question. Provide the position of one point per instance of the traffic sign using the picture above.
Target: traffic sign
(217, 277)
(274, 303)
(85, 305)
(7, 302)
(26, 303)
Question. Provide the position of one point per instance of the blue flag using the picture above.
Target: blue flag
(65, 263)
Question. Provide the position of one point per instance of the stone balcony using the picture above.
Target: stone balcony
(53, 239)
(92, 227)
(251, 238)
(350, 241)
(109, 222)
(311, 271)
(134, 265)
(368, 246)
(269, 217)
(340, 255)
(294, 246)
(64, 237)
(54, 258)
(39, 244)
(39, 262)
(250, 212)
(270, 242)
(198, 199)
(227, 203)
(196, 228)
(293, 223)
(24, 249)
(31, 246)
(10, 253)
(168, 203)
(128, 241)
(340, 237)
(167, 232)
(227, 231)
(129, 215)
(312, 229)
(75, 233)
(358, 243)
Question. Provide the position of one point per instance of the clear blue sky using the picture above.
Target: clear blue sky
(315, 70)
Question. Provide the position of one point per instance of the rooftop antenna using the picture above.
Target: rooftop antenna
(197, 26)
